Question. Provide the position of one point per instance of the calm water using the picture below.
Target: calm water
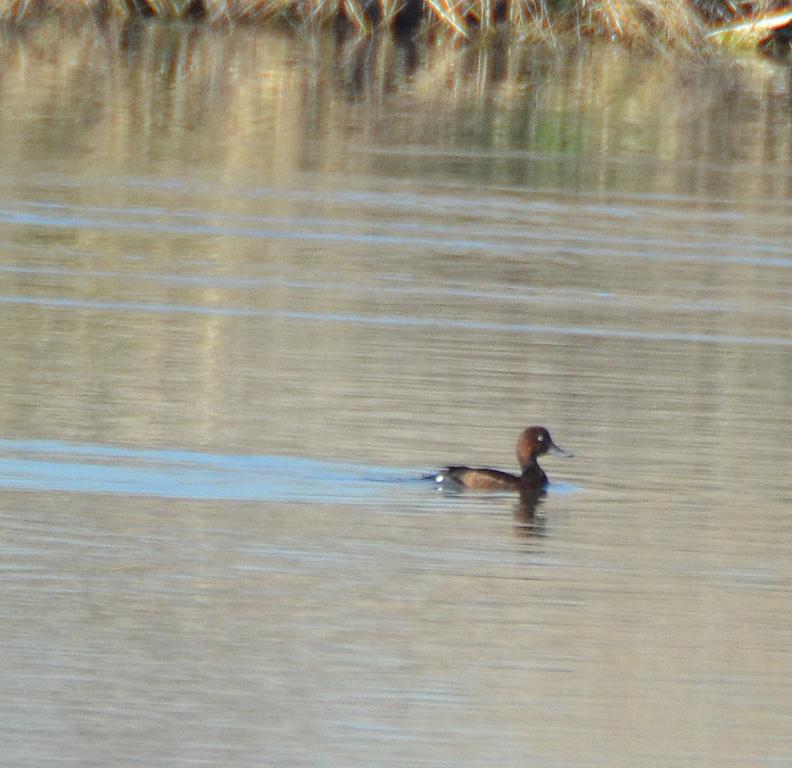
(252, 287)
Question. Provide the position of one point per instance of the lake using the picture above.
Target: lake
(256, 285)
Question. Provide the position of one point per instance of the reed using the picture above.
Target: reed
(657, 24)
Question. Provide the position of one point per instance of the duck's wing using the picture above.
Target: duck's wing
(479, 478)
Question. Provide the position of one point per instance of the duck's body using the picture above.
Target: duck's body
(484, 479)
(532, 443)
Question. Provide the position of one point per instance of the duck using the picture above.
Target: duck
(532, 443)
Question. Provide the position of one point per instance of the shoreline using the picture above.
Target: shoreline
(679, 26)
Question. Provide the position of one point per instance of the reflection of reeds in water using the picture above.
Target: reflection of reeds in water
(343, 91)
(652, 23)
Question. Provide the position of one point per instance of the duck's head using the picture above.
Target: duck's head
(533, 442)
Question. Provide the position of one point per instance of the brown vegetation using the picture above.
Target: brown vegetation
(659, 24)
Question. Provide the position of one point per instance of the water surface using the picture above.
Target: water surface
(252, 287)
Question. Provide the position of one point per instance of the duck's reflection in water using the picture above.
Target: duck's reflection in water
(529, 523)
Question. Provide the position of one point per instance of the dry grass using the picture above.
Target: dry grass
(657, 24)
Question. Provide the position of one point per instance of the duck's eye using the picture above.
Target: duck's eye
(540, 438)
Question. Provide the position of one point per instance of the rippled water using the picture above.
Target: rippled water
(252, 288)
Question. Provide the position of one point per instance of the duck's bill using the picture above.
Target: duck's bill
(560, 451)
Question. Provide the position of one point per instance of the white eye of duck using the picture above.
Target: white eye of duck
(540, 438)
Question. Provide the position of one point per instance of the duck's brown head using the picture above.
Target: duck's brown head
(532, 443)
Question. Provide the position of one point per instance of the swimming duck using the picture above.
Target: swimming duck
(532, 443)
